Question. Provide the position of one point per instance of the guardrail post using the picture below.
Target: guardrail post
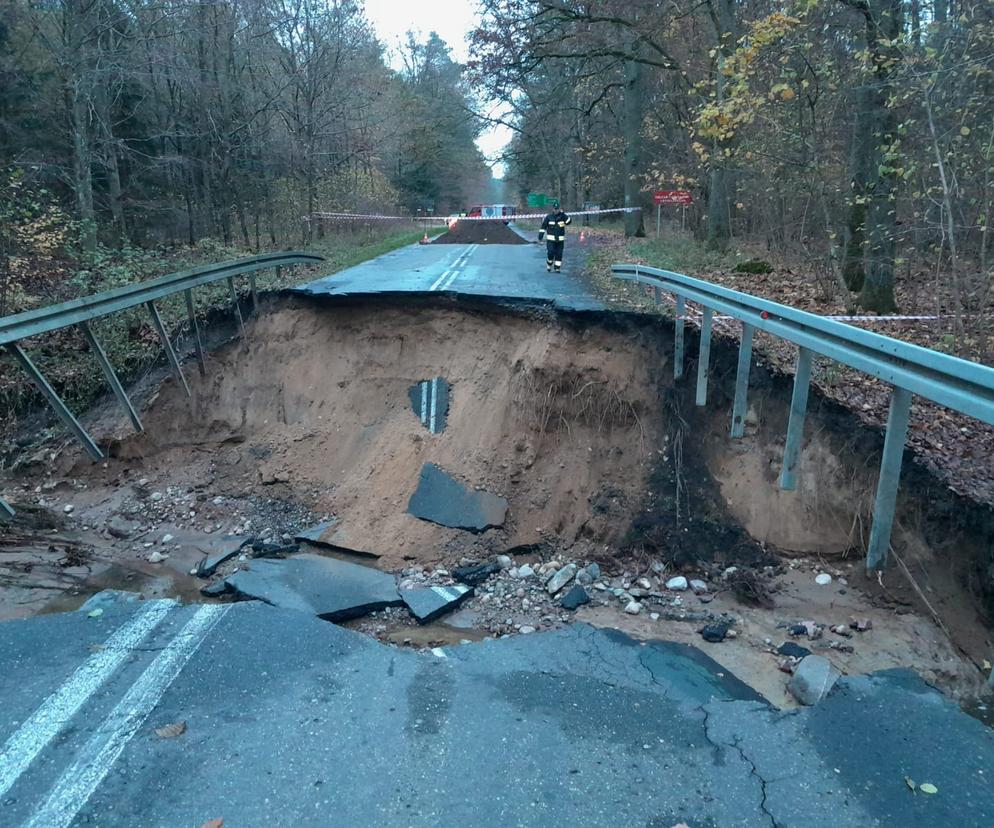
(234, 304)
(741, 404)
(681, 309)
(112, 380)
(7, 512)
(704, 357)
(55, 401)
(195, 327)
(795, 426)
(167, 346)
(657, 292)
(890, 475)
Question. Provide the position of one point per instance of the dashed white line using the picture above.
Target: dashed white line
(81, 779)
(449, 276)
(434, 402)
(58, 709)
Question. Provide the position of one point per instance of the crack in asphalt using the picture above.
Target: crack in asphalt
(737, 747)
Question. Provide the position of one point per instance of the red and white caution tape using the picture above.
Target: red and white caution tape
(515, 217)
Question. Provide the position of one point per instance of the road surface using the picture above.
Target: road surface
(291, 720)
(502, 271)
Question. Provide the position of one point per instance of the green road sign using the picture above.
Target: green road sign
(537, 199)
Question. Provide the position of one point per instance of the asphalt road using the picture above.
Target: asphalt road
(501, 271)
(293, 721)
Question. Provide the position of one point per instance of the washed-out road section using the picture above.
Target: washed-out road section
(291, 720)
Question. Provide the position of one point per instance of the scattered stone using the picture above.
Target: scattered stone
(654, 616)
(167, 538)
(860, 624)
(644, 583)
(526, 629)
(119, 527)
(583, 578)
(633, 608)
(823, 579)
(813, 679)
(441, 499)
(504, 561)
(843, 630)
(698, 586)
(68, 508)
(576, 597)
(561, 578)
(789, 648)
(157, 496)
(714, 633)
(809, 628)
(730, 571)
(327, 587)
(677, 584)
(157, 556)
(474, 575)
(525, 571)
(427, 605)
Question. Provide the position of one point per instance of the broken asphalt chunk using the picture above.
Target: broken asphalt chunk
(474, 575)
(329, 588)
(442, 499)
(224, 549)
(430, 400)
(432, 603)
(332, 535)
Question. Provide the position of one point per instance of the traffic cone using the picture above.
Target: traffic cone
(425, 239)
(583, 236)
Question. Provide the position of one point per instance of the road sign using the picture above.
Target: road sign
(537, 199)
(672, 197)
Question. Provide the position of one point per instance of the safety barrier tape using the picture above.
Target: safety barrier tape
(515, 217)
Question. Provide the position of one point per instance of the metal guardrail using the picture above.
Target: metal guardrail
(81, 311)
(910, 369)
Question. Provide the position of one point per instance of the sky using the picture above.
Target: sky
(452, 20)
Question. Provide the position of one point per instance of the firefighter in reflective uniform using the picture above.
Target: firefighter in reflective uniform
(554, 232)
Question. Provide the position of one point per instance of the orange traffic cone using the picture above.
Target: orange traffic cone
(425, 239)
(583, 235)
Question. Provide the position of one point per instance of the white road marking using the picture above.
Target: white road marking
(58, 709)
(424, 402)
(434, 402)
(440, 283)
(95, 760)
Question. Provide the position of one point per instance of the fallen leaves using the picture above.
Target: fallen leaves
(171, 731)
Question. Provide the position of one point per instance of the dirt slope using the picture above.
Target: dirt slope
(479, 232)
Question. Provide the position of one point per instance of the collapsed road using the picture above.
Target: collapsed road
(304, 481)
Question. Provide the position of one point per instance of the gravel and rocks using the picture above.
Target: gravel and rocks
(813, 679)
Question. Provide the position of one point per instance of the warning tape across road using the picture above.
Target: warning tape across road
(515, 217)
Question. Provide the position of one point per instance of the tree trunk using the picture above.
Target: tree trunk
(82, 171)
(719, 191)
(633, 147)
(862, 176)
(884, 22)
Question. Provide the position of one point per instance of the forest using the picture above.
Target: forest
(854, 138)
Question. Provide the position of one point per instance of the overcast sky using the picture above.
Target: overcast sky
(453, 20)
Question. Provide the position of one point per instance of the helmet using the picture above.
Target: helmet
(555, 203)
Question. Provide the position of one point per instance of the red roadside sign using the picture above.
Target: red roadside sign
(672, 197)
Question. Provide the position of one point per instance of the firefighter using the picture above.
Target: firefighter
(554, 232)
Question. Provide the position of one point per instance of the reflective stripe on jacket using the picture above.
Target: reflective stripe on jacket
(554, 226)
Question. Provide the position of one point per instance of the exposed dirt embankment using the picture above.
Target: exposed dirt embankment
(563, 421)
(479, 232)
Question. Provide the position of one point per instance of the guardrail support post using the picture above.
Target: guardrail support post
(195, 327)
(704, 357)
(795, 426)
(234, 305)
(741, 404)
(6, 511)
(681, 309)
(890, 475)
(658, 294)
(167, 346)
(112, 380)
(55, 401)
